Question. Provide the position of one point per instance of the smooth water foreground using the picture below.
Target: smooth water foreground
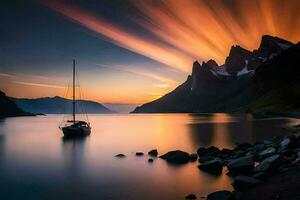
(37, 163)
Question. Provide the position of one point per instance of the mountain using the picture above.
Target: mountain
(58, 105)
(266, 79)
(9, 109)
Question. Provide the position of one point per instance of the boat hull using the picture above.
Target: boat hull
(76, 131)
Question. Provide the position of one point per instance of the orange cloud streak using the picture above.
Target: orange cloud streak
(152, 49)
(208, 28)
(195, 29)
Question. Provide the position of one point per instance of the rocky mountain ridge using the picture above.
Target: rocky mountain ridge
(239, 84)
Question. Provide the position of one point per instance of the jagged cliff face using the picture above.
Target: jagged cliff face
(204, 82)
(237, 59)
(243, 79)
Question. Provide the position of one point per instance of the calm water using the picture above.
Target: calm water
(37, 163)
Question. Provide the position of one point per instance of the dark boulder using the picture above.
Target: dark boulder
(206, 159)
(242, 147)
(210, 151)
(225, 153)
(221, 195)
(153, 153)
(260, 175)
(193, 157)
(176, 157)
(285, 143)
(214, 166)
(268, 164)
(150, 160)
(243, 165)
(139, 153)
(191, 197)
(120, 156)
(267, 152)
(244, 182)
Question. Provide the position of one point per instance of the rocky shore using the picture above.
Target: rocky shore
(264, 170)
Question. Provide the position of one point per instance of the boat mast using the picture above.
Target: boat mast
(74, 90)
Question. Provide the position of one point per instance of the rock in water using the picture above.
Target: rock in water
(176, 157)
(243, 165)
(139, 153)
(210, 151)
(285, 143)
(120, 155)
(150, 160)
(244, 182)
(153, 153)
(193, 157)
(221, 195)
(214, 166)
(267, 152)
(191, 197)
(267, 164)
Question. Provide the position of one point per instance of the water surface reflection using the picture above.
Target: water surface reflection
(36, 162)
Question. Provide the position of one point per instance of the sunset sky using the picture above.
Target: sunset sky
(128, 51)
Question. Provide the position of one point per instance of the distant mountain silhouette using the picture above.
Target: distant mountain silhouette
(266, 79)
(59, 105)
(9, 109)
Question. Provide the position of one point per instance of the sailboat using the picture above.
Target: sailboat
(73, 127)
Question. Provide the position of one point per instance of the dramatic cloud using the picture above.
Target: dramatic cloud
(208, 28)
(7, 75)
(119, 36)
(194, 29)
(39, 85)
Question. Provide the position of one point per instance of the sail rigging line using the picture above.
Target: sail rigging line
(65, 95)
(81, 96)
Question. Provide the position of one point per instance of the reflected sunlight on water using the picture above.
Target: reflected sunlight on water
(37, 163)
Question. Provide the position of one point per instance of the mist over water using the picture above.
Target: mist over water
(37, 163)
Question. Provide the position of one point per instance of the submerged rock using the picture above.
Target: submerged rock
(153, 153)
(214, 166)
(243, 165)
(176, 157)
(139, 153)
(244, 182)
(191, 197)
(120, 155)
(221, 195)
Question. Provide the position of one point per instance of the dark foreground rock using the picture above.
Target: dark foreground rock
(214, 166)
(243, 165)
(120, 155)
(244, 182)
(277, 168)
(153, 153)
(176, 157)
(150, 160)
(283, 186)
(269, 164)
(191, 197)
(139, 153)
(193, 157)
(221, 195)
(210, 151)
